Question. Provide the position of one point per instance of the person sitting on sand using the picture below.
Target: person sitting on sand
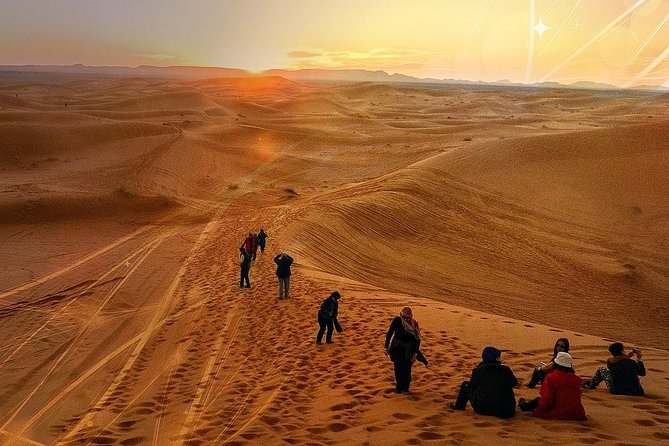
(490, 388)
(244, 265)
(327, 317)
(560, 394)
(403, 347)
(283, 262)
(561, 345)
(261, 238)
(621, 374)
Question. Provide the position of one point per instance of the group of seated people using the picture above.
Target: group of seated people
(490, 388)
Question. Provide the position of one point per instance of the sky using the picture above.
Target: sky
(619, 42)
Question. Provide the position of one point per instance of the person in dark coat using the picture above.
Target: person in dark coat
(490, 388)
(560, 394)
(403, 347)
(255, 246)
(245, 266)
(283, 262)
(262, 237)
(621, 374)
(327, 318)
(561, 345)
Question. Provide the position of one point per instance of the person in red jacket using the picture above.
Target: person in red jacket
(560, 394)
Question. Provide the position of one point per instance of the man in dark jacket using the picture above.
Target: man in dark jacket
(327, 317)
(490, 388)
(244, 265)
(283, 262)
(262, 237)
(622, 373)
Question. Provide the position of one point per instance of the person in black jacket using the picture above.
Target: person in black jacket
(283, 262)
(404, 348)
(327, 317)
(244, 265)
(621, 374)
(490, 388)
(262, 237)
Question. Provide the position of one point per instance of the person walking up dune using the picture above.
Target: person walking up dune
(327, 318)
(255, 246)
(245, 266)
(262, 237)
(249, 243)
(403, 347)
(490, 388)
(283, 262)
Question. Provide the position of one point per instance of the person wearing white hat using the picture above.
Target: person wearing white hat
(560, 394)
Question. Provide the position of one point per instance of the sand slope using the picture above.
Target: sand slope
(502, 217)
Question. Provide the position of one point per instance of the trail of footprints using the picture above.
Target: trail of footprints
(268, 383)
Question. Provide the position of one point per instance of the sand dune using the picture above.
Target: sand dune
(503, 217)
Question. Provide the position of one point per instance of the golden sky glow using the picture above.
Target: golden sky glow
(621, 42)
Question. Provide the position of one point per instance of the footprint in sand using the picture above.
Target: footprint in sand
(338, 427)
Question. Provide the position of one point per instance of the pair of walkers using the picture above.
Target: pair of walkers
(402, 339)
(283, 271)
(254, 241)
(247, 253)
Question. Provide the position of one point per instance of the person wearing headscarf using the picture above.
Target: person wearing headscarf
(403, 347)
(561, 345)
(560, 394)
(490, 388)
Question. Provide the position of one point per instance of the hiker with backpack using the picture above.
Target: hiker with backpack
(327, 318)
(403, 347)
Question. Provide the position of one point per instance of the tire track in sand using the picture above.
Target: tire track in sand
(161, 311)
(73, 341)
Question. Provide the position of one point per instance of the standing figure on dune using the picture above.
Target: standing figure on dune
(255, 246)
(262, 236)
(283, 262)
(249, 244)
(403, 347)
(244, 265)
(327, 318)
(561, 345)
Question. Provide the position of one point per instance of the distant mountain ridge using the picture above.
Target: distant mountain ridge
(315, 74)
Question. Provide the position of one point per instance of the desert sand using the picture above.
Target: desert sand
(503, 217)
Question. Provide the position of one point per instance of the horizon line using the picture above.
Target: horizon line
(411, 79)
